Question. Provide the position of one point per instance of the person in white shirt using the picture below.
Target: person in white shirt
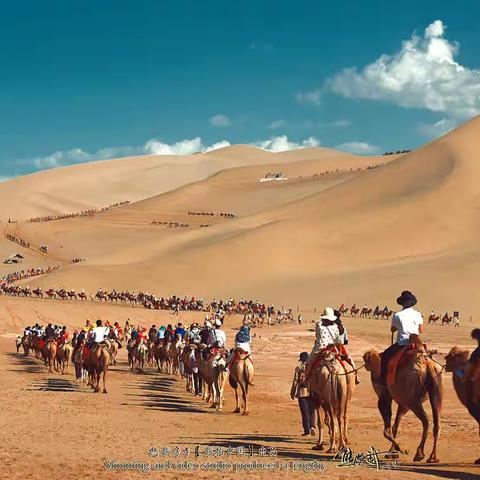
(218, 338)
(406, 322)
(100, 333)
(326, 331)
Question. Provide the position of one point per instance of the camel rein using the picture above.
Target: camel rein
(355, 370)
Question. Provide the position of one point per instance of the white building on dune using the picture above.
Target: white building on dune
(272, 177)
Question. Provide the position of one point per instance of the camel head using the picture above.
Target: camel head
(456, 359)
(371, 359)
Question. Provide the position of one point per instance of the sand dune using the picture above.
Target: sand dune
(349, 235)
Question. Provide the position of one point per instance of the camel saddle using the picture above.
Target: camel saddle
(319, 360)
(401, 358)
(239, 354)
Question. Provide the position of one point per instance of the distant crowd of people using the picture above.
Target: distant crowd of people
(84, 213)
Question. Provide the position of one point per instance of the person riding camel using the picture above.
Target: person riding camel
(242, 340)
(80, 340)
(218, 338)
(327, 335)
(343, 340)
(406, 322)
(50, 332)
(99, 334)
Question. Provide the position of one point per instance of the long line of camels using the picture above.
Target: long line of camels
(418, 377)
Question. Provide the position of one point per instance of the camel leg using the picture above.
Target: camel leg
(97, 381)
(104, 380)
(401, 411)
(333, 430)
(237, 401)
(385, 407)
(435, 397)
(320, 420)
(420, 413)
(244, 388)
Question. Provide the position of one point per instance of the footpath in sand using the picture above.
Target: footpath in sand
(54, 428)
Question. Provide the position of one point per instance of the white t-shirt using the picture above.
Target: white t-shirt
(99, 334)
(218, 336)
(407, 322)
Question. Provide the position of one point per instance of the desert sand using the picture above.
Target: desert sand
(335, 232)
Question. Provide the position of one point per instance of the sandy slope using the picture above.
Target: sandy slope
(353, 236)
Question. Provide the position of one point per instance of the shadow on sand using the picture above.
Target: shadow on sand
(160, 394)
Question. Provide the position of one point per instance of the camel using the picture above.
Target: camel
(49, 353)
(64, 352)
(354, 311)
(241, 375)
(113, 352)
(416, 380)
(214, 369)
(137, 354)
(446, 320)
(386, 314)
(205, 373)
(26, 344)
(377, 312)
(332, 383)
(186, 360)
(97, 366)
(433, 318)
(469, 395)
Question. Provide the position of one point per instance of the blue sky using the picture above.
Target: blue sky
(83, 80)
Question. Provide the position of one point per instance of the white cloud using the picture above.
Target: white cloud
(283, 144)
(342, 123)
(437, 129)
(360, 148)
(313, 98)
(423, 74)
(216, 146)
(184, 147)
(220, 121)
(276, 124)
(157, 147)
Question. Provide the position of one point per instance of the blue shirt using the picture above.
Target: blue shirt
(180, 331)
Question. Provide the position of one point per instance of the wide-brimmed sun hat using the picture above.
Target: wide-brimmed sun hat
(328, 314)
(407, 299)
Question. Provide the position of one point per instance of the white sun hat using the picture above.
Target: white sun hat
(328, 314)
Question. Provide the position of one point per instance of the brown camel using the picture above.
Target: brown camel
(26, 344)
(49, 353)
(332, 383)
(416, 380)
(241, 375)
(97, 366)
(468, 392)
(64, 352)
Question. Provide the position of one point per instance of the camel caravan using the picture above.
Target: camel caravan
(84, 213)
(406, 372)
(386, 313)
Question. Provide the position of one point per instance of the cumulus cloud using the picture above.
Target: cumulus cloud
(157, 147)
(360, 148)
(422, 74)
(276, 124)
(283, 144)
(313, 98)
(220, 121)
